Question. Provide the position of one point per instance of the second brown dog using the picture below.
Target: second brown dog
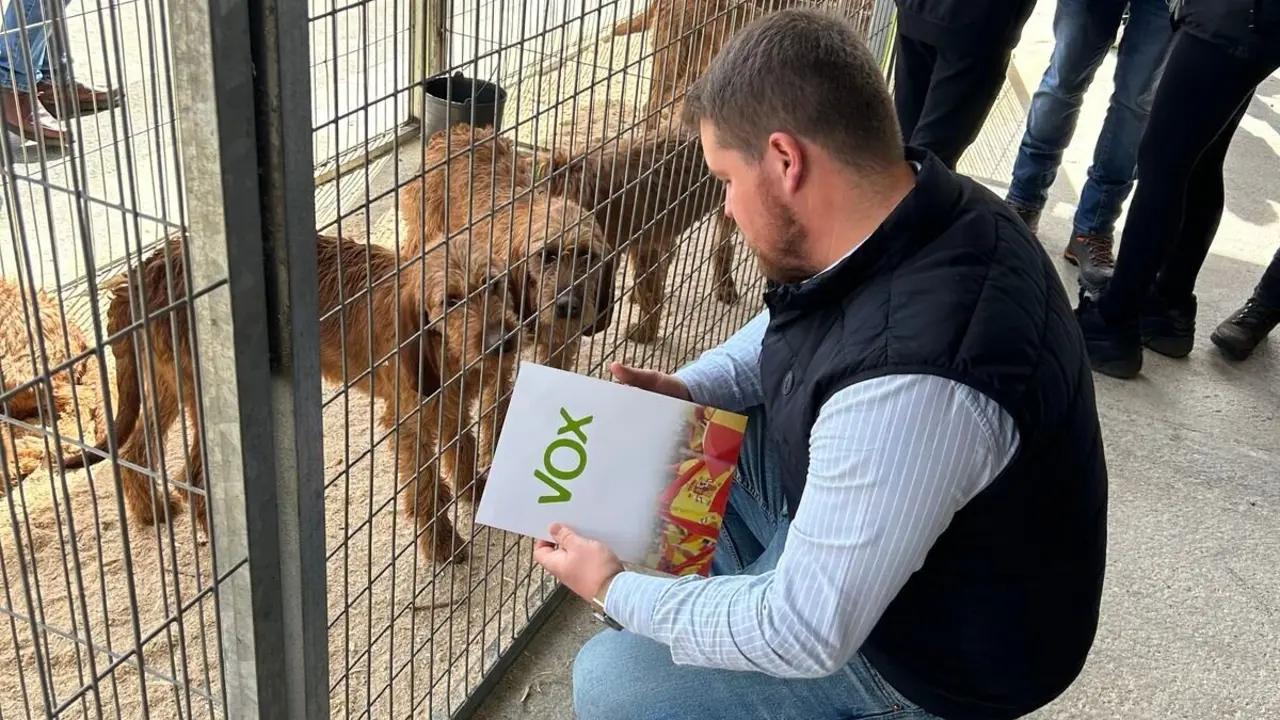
(465, 315)
(477, 182)
(646, 191)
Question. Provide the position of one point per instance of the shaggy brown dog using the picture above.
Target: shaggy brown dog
(646, 192)
(554, 249)
(418, 380)
(685, 36)
(21, 337)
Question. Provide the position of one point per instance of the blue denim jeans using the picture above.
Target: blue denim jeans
(1083, 32)
(622, 676)
(21, 70)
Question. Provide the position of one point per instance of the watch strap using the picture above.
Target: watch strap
(597, 609)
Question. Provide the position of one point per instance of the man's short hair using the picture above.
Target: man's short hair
(805, 72)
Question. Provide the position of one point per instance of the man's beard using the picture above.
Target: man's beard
(783, 262)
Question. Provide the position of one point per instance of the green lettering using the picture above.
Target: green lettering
(554, 472)
(575, 426)
(562, 493)
(558, 472)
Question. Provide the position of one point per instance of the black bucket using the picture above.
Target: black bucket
(459, 99)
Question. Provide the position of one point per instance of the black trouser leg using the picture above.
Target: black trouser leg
(1267, 291)
(1199, 94)
(943, 96)
(912, 70)
(1204, 203)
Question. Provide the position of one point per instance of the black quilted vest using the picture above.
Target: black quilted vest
(1001, 616)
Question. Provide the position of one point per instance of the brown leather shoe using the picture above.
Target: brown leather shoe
(25, 117)
(76, 98)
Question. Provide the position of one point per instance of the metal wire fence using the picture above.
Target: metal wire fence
(278, 266)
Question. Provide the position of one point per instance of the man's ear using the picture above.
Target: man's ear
(420, 349)
(787, 154)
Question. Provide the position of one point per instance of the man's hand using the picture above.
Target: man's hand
(650, 380)
(585, 566)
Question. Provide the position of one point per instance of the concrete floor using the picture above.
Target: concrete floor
(1191, 613)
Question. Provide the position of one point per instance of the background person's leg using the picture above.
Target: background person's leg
(1169, 316)
(20, 112)
(961, 93)
(1111, 176)
(61, 94)
(1268, 289)
(912, 73)
(1083, 30)
(1206, 197)
(1200, 90)
(20, 64)
(1239, 334)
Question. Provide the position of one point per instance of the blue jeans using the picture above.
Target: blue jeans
(1083, 32)
(622, 676)
(21, 70)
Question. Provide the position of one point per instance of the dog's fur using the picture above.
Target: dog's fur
(685, 36)
(555, 251)
(646, 192)
(74, 390)
(419, 379)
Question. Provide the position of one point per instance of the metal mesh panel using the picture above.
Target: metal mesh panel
(409, 638)
(519, 241)
(102, 615)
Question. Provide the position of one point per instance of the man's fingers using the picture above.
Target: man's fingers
(548, 556)
(630, 376)
(562, 534)
(621, 372)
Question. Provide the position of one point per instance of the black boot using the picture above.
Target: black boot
(1027, 215)
(1239, 334)
(1092, 254)
(1114, 350)
(1169, 328)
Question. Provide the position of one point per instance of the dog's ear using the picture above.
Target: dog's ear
(553, 166)
(521, 285)
(420, 350)
(604, 299)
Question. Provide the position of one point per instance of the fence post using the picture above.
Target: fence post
(243, 105)
(426, 56)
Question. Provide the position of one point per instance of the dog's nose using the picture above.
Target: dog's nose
(568, 306)
(499, 342)
(511, 344)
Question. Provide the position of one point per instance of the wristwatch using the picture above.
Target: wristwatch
(597, 608)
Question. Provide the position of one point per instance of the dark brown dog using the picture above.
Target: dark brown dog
(463, 316)
(477, 187)
(646, 192)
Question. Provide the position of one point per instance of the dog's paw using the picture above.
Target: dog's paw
(643, 332)
(445, 546)
(462, 555)
(158, 510)
(727, 293)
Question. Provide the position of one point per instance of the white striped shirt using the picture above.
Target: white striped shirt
(891, 459)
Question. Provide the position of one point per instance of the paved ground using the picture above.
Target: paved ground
(1191, 615)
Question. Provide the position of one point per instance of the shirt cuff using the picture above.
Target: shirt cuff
(702, 382)
(632, 598)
